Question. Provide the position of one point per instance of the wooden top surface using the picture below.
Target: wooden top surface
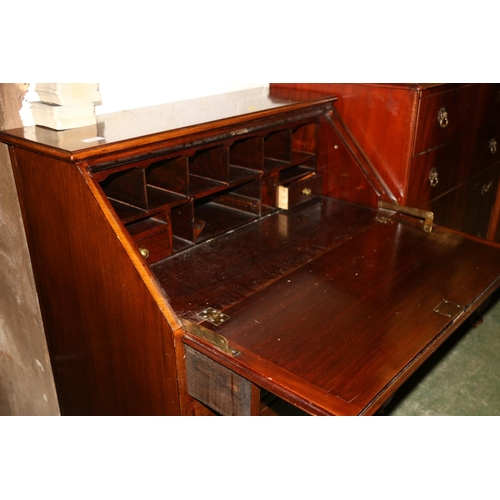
(177, 120)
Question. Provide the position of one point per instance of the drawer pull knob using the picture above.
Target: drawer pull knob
(493, 146)
(443, 118)
(486, 188)
(307, 192)
(144, 252)
(433, 177)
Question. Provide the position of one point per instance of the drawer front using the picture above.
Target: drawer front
(299, 191)
(487, 151)
(446, 115)
(440, 170)
(154, 247)
(485, 190)
(480, 227)
(446, 167)
(470, 203)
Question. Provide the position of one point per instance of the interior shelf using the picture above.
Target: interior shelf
(220, 218)
(126, 212)
(201, 186)
(158, 197)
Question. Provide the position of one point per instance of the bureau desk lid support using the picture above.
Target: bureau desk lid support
(425, 215)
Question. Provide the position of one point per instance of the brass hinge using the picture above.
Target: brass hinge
(216, 339)
(213, 316)
(448, 309)
(425, 215)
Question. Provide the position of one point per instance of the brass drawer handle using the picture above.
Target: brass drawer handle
(443, 118)
(493, 146)
(307, 192)
(433, 177)
(144, 252)
(486, 188)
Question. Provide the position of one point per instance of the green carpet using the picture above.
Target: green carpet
(461, 378)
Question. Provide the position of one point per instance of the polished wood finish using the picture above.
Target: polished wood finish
(150, 130)
(328, 311)
(331, 302)
(397, 126)
(357, 319)
(227, 270)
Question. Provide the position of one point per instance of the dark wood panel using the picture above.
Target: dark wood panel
(446, 166)
(230, 268)
(342, 177)
(381, 117)
(462, 207)
(458, 106)
(352, 321)
(468, 107)
(494, 224)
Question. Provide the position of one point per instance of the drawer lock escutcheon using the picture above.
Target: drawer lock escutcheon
(433, 177)
(486, 188)
(493, 146)
(443, 118)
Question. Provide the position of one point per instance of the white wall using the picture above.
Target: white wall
(117, 96)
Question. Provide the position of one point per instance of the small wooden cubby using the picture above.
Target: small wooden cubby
(173, 202)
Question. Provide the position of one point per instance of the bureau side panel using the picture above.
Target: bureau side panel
(111, 347)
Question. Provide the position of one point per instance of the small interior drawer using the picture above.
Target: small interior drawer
(156, 246)
(295, 191)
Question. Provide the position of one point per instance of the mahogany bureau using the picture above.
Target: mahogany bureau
(221, 255)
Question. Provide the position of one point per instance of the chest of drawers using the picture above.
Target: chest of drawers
(434, 144)
(216, 255)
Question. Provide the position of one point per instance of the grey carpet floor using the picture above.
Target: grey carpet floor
(461, 378)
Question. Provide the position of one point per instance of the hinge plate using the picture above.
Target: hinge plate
(213, 316)
(448, 309)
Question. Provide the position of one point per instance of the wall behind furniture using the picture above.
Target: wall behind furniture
(26, 380)
(130, 95)
(118, 96)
